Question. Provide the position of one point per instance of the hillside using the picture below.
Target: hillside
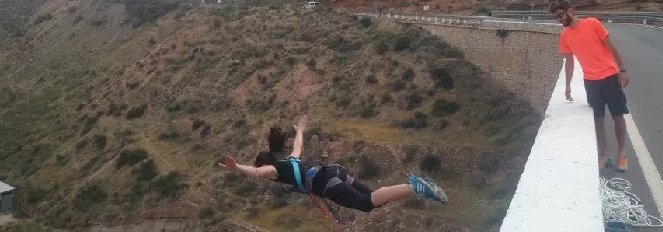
(114, 111)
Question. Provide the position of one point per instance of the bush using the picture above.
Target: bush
(368, 111)
(34, 194)
(206, 212)
(430, 164)
(370, 79)
(98, 22)
(147, 171)
(365, 22)
(442, 107)
(397, 85)
(367, 168)
(81, 144)
(502, 33)
(197, 124)
(89, 124)
(130, 157)
(381, 47)
(136, 193)
(414, 100)
(442, 78)
(89, 197)
(408, 74)
(420, 120)
(484, 11)
(136, 112)
(145, 11)
(205, 131)
(402, 43)
(169, 186)
(343, 101)
(410, 153)
(168, 135)
(99, 141)
(42, 18)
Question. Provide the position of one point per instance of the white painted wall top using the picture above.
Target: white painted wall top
(5, 187)
(559, 188)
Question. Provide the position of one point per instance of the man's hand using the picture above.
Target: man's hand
(301, 123)
(624, 79)
(568, 94)
(228, 163)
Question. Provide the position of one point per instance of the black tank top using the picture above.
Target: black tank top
(286, 173)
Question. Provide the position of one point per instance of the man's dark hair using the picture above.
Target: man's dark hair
(265, 158)
(556, 5)
(276, 139)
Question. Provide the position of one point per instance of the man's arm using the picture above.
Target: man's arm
(568, 67)
(623, 78)
(267, 171)
(299, 138)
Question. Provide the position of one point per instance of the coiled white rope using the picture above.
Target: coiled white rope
(622, 206)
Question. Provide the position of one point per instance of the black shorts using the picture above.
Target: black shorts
(344, 190)
(609, 92)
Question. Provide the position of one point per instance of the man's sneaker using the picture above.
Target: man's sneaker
(426, 188)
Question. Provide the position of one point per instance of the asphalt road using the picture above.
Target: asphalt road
(641, 49)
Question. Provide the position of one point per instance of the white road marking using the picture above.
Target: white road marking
(650, 171)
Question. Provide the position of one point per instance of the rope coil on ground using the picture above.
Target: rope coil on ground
(622, 206)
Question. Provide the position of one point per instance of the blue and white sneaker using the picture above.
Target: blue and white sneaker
(426, 188)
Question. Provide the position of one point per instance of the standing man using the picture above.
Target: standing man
(604, 74)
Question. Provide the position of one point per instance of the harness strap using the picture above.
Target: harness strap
(298, 175)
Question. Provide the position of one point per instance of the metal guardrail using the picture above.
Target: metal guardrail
(473, 21)
(649, 18)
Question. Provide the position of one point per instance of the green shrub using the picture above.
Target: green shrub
(502, 33)
(484, 11)
(147, 171)
(130, 157)
(410, 153)
(89, 124)
(169, 135)
(99, 141)
(442, 107)
(430, 164)
(207, 128)
(397, 85)
(34, 194)
(136, 112)
(414, 100)
(197, 124)
(442, 78)
(367, 168)
(98, 22)
(42, 18)
(343, 101)
(81, 144)
(370, 79)
(381, 46)
(408, 74)
(402, 43)
(136, 193)
(90, 196)
(206, 212)
(368, 111)
(170, 186)
(420, 120)
(365, 22)
(145, 11)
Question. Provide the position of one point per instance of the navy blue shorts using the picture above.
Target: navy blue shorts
(609, 92)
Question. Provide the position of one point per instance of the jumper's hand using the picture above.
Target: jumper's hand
(228, 163)
(301, 123)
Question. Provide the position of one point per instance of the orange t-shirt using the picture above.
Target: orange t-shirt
(585, 41)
